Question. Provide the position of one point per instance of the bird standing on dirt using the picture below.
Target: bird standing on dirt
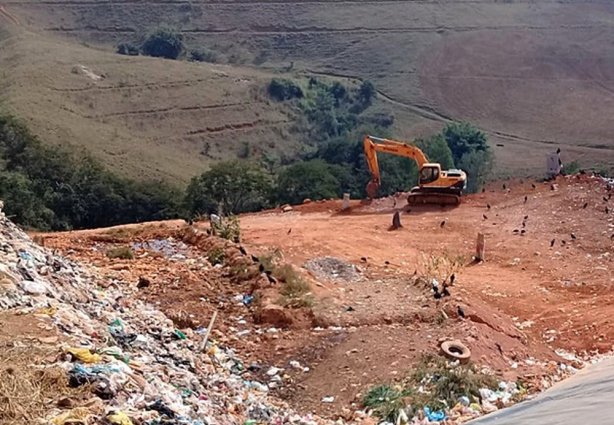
(526, 198)
(585, 205)
(504, 186)
(452, 277)
(445, 292)
(552, 242)
(488, 206)
(533, 186)
(289, 230)
(255, 259)
(573, 236)
(484, 216)
(526, 217)
(460, 311)
(242, 250)
(443, 223)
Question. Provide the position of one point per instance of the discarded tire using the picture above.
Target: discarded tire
(455, 350)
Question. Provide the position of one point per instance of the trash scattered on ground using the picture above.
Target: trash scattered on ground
(331, 268)
(134, 359)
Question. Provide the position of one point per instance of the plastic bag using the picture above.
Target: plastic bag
(84, 355)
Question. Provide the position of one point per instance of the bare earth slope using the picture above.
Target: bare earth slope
(533, 74)
(523, 305)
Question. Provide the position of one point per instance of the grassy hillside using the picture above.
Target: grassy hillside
(146, 117)
(535, 75)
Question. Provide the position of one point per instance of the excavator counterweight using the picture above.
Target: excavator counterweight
(434, 185)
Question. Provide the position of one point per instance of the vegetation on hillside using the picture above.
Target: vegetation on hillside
(48, 188)
(160, 42)
(163, 42)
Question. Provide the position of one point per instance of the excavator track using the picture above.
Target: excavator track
(417, 197)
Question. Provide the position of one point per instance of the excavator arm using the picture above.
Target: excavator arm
(372, 145)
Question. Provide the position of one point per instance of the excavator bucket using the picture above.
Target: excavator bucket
(372, 189)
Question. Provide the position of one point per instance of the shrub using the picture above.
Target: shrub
(464, 138)
(216, 256)
(127, 48)
(478, 166)
(227, 227)
(366, 94)
(570, 168)
(122, 252)
(237, 186)
(308, 179)
(203, 55)
(385, 401)
(294, 286)
(283, 89)
(163, 42)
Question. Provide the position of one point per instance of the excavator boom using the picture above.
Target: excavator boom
(435, 186)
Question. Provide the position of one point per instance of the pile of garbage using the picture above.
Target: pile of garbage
(331, 268)
(143, 369)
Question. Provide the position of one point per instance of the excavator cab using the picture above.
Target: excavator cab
(429, 173)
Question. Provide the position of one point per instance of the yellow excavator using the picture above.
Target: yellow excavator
(434, 185)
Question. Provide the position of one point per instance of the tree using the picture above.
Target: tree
(282, 89)
(478, 166)
(163, 42)
(437, 150)
(463, 138)
(237, 186)
(313, 179)
(366, 93)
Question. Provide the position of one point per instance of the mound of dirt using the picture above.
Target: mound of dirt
(334, 269)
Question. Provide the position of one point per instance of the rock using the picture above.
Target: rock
(306, 201)
(275, 315)
(286, 208)
(328, 399)
(143, 282)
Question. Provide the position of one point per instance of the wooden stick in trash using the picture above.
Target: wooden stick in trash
(206, 338)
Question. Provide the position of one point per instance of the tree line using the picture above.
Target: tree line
(51, 188)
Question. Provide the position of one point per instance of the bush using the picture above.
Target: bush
(127, 48)
(478, 166)
(216, 256)
(570, 168)
(203, 55)
(366, 94)
(237, 186)
(227, 228)
(313, 179)
(163, 42)
(464, 138)
(294, 288)
(283, 89)
(122, 252)
(385, 401)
